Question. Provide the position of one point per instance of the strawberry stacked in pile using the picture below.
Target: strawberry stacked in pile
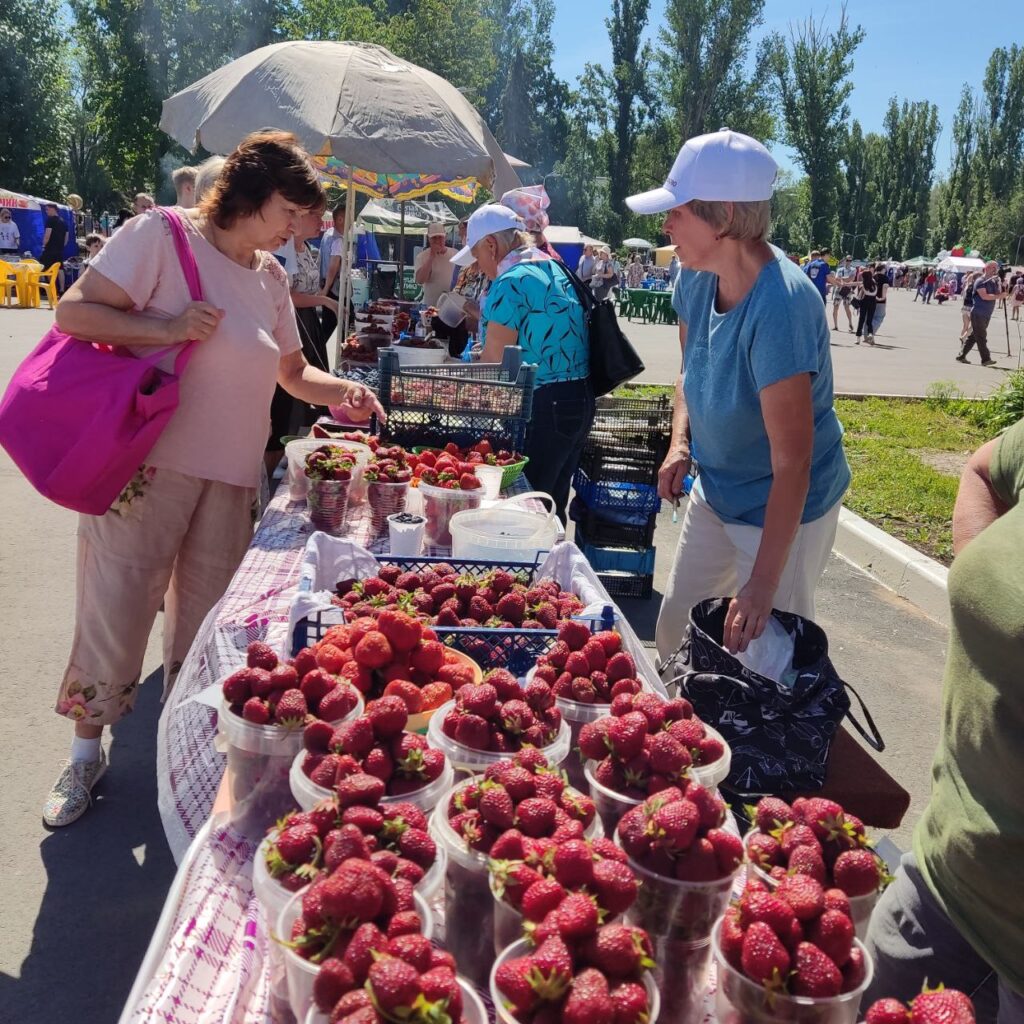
(495, 716)
(566, 887)
(815, 837)
(933, 1006)
(679, 834)
(330, 462)
(270, 692)
(448, 470)
(595, 978)
(520, 808)
(480, 454)
(388, 465)
(307, 844)
(393, 654)
(590, 668)
(440, 596)
(798, 940)
(647, 744)
(371, 753)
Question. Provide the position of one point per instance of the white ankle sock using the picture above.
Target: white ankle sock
(85, 750)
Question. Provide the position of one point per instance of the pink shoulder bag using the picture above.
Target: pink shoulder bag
(79, 418)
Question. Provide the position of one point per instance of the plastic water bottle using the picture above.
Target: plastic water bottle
(467, 352)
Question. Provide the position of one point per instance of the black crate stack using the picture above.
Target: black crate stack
(616, 485)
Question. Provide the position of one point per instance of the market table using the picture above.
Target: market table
(208, 957)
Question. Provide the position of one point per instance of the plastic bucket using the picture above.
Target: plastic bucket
(470, 760)
(505, 532)
(739, 1000)
(259, 759)
(522, 948)
(299, 973)
(439, 505)
(473, 1009)
(861, 907)
(308, 794)
(412, 355)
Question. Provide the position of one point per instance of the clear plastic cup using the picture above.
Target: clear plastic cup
(329, 502)
(861, 907)
(439, 505)
(386, 498)
(473, 1009)
(611, 806)
(710, 776)
(503, 1015)
(739, 1000)
(272, 897)
(300, 973)
(308, 794)
(578, 715)
(490, 477)
(470, 760)
(405, 534)
(259, 759)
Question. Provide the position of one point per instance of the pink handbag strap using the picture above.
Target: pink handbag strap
(190, 269)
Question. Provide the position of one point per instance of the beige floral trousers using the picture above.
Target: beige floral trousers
(169, 537)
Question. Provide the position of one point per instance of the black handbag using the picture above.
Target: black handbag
(613, 360)
(780, 735)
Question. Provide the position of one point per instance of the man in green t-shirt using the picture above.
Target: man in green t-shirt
(955, 913)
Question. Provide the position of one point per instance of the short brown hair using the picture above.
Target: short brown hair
(264, 163)
(183, 176)
(750, 220)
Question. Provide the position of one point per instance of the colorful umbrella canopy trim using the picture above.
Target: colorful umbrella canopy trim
(334, 172)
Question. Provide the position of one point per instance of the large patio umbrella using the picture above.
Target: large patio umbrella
(377, 115)
(637, 243)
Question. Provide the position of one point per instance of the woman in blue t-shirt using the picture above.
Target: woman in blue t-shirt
(754, 402)
(531, 303)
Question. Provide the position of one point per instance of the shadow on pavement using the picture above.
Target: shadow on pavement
(107, 877)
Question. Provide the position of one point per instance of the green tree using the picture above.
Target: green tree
(811, 74)
(34, 87)
(1000, 154)
(858, 209)
(959, 198)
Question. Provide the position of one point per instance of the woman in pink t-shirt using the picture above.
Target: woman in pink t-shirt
(179, 529)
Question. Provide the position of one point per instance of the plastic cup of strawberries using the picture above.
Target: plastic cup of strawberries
(452, 493)
(789, 955)
(817, 837)
(598, 980)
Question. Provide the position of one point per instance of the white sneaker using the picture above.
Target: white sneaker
(72, 792)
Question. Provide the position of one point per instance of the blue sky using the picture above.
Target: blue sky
(911, 50)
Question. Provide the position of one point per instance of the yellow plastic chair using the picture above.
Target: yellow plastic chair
(46, 279)
(8, 283)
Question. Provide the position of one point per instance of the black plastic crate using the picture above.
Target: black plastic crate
(638, 466)
(628, 439)
(627, 584)
(592, 528)
(464, 402)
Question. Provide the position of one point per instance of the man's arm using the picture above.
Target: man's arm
(46, 236)
(977, 503)
(333, 269)
(423, 266)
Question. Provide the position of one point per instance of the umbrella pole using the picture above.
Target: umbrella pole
(346, 268)
(401, 250)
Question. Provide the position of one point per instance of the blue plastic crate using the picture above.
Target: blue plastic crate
(619, 495)
(634, 560)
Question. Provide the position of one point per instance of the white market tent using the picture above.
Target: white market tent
(637, 243)
(561, 234)
(384, 216)
(961, 264)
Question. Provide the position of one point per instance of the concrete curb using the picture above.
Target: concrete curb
(911, 575)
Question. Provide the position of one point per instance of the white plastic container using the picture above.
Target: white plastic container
(507, 531)
(272, 897)
(451, 308)
(473, 1010)
(259, 760)
(308, 794)
(522, 948)
(739, 1000)
(490, 477)
(410, 355)
(405, 539)
(301, 973)
(469, 760)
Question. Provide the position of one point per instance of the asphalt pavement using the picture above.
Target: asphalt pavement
(916, 347)
(79, 904)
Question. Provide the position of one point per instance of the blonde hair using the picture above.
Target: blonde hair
(206, 174)
(511, 238)
(750, 221)
(183, 176)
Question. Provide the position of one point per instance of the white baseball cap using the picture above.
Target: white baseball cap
(488, 220)
(435, 228)
(724, 166)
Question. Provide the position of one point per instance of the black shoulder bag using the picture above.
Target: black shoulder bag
(613, 360)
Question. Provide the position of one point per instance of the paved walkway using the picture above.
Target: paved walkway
(915, 348)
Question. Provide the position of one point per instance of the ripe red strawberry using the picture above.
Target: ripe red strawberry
(731, 938)
(256, 711)
(260, 655)
(573, 864)
(630, 1002)
(291, 710)
(615, 886)
(535, 816)
(304, 661)
(512, 606)
(836, 899)
(415, 950)
(668, 756)
(626, 735)
(541, 898)
(619, 950)
(496, 806)
(388, 716)
(675, 824)
(481, 699)
(395, 985)
(763, 850)
(514, 979)
(887, 1011)
(763, 957)
(352, 891)
(620, 666)
(589, 1001)
(439, 985)
(592, 739)
(374, 650)
(814, 974)
(728, 850)
(359, 789)
(332, 981)
(516, 717)
(943, 1006)
(804, 894)
(807, 860)
(857, 872)
(574, 634)
(402, 631)
(316, 737)
(577, 917)
(832, 933)
(355, 737)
